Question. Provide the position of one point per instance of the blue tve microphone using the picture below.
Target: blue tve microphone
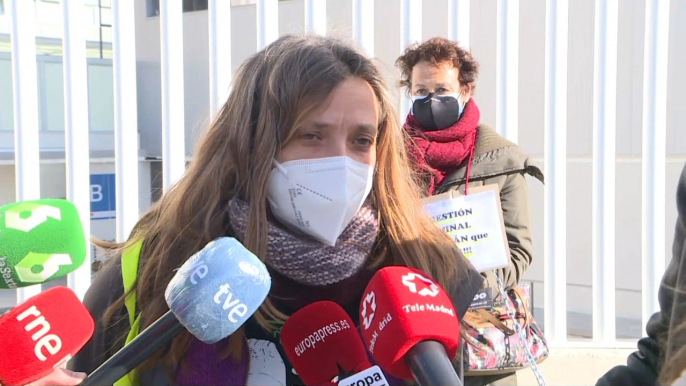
(211, 295)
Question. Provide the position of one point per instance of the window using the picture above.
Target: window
(51, 96)
(6, 103)
(100, 98)
(238, 3)
(188, 6)
(194, 5)
(153, 8)
(2, 7)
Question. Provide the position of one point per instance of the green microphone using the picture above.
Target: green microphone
(40, 241)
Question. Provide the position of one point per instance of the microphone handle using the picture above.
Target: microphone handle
(430, 365)
(153, 338)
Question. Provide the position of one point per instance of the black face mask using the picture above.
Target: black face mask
(436, 112)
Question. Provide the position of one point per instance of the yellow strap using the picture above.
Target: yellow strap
(129, 272)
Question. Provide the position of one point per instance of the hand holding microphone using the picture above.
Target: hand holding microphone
(60, 377)
(213, 294)
(40, 241)
(324, 347)
(410, 326)
(42, 334)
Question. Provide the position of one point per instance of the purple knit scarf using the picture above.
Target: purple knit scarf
(308, 261)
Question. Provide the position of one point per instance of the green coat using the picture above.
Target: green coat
(499, 161)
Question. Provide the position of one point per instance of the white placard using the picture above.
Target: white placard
(476, 224)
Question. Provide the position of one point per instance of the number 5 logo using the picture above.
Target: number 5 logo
(48, 261)
(39, 214)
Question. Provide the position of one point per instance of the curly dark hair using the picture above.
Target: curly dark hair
(438, 50)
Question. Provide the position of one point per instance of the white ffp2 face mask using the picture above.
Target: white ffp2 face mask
(319, 196)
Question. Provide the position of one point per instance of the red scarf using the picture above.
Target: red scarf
(439, 153)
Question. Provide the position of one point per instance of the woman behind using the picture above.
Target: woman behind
(453, 151)
(306, 111)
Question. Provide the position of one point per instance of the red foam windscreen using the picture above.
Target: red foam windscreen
(400, 308)
(321, 342)
(42, 333)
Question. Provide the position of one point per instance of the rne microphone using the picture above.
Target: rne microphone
(212, 295)
(40, 241)
(410, 326)
(324, 347)
(41, 334)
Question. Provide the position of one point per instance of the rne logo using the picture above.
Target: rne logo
(50, 342)
(427, 286)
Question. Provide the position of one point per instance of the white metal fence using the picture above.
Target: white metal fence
(21, 17)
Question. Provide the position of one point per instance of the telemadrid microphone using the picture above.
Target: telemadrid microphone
(410, 326)
(324, 347)
(211, 295)
(40, 241)
(42, 333)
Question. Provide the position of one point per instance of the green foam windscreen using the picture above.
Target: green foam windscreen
(40, 240)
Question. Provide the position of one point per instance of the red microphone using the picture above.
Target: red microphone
(324, 347)
(410, 326)
(41, 334)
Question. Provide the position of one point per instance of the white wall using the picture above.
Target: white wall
(531, 105)
(531, 92)
(531, 88)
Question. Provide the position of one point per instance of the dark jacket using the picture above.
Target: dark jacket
(268, 364)
(662, 342)
(499, 161)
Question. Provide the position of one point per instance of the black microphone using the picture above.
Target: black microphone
(212, 295)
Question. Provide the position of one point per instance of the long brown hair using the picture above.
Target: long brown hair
(273, 90)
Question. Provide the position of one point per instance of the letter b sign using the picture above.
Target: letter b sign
(96, 193)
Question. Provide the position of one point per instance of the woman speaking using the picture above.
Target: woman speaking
(309, 115)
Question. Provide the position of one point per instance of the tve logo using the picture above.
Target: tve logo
(199, 271)
(237, 307)
(44, 341)
(427, 287)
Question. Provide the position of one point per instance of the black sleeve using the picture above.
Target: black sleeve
(106, 288)
(462, 292)
(643, 366)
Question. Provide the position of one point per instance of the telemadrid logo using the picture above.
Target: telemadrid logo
(368, 308)
(429, 287)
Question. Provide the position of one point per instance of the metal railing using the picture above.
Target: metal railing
(21, 17)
